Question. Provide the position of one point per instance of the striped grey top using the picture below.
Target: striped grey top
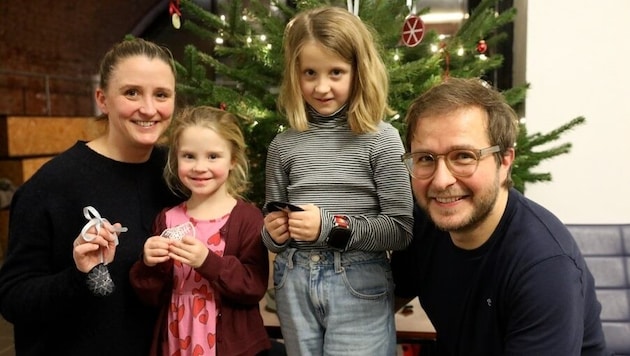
(343, 173)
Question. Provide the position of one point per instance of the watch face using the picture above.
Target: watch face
(339, 237)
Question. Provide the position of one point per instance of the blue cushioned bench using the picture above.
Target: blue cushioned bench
(606, 249)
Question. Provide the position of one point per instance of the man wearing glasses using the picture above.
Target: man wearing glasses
(496, 273)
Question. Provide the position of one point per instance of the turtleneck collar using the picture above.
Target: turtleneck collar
(335, 119)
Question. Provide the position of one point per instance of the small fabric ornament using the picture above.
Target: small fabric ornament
(178, 232)
(99, 282)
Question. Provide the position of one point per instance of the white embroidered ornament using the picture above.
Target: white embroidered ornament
(178, 232)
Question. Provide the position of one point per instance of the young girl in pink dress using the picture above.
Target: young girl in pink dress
(207, 267)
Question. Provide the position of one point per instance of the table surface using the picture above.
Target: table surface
(410, 327)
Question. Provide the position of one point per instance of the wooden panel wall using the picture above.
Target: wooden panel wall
(26, 143)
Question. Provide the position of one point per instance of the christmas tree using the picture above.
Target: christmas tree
(241, 68)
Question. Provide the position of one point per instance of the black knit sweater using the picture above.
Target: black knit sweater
(41, 291)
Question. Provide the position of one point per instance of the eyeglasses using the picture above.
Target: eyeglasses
(461, 163)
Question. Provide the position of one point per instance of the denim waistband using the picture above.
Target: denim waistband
(329, 257)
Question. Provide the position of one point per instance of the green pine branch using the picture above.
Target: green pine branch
(528, 157)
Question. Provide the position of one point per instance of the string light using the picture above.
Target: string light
(219, 40)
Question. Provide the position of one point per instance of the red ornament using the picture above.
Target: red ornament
(482, 47)
(413, 31)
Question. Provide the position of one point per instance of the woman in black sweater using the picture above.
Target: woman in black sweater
(44, 282)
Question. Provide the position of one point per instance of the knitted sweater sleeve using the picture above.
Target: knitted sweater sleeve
(391, 228)
(31, 289)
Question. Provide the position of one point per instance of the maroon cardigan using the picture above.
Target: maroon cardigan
(239, 278)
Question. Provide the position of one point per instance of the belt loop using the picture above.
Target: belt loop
(290, 257)
(337, 261)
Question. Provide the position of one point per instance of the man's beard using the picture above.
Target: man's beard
(483, 203)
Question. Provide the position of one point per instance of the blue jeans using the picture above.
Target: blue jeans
(332, 303)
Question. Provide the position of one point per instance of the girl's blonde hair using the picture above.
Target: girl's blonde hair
(345, 35)
(225, 125)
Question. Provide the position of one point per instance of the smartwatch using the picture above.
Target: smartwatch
(339, 236)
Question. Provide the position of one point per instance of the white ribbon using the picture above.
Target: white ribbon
(412, 6)
(353, 8)
(95, 220)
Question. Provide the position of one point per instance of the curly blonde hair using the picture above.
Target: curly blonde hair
(225, 125)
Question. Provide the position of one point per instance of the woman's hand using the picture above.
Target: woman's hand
(95, 247)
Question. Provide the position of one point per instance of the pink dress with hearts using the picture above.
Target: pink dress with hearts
(192, 314)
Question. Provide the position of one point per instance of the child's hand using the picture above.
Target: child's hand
(189, 251)
(277, 224)
(305, 225)
(155, 250)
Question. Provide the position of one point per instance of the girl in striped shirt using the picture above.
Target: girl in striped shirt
(339, 166)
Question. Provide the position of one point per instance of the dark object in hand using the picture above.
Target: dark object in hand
(278, 206)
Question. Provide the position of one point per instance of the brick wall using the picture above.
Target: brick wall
(63, 40)
(50, 51)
